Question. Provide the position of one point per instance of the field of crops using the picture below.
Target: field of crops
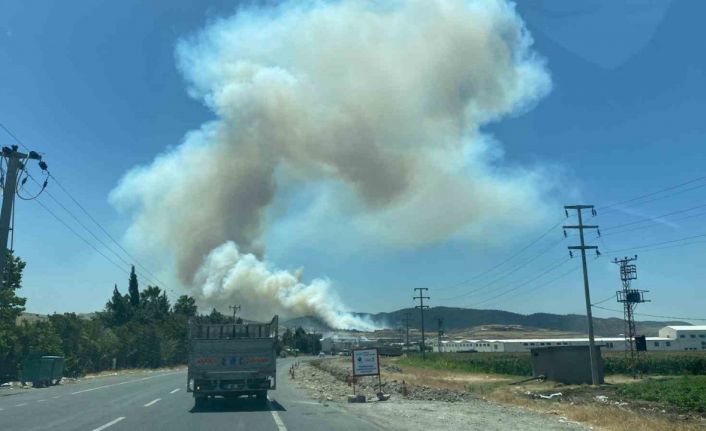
(659, 363)
(519, 364)
(685, 392)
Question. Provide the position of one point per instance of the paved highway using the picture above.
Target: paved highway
(159, 401)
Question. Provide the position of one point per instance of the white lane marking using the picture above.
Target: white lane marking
(278, 420)
(58, 396)
(152, 402)
(40, 401)
(20, 405)
(121, 383)
(113, 422)
(175, 390)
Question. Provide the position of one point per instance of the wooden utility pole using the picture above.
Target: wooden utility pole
(583, 247)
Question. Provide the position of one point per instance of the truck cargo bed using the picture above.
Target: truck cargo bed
(232, 359)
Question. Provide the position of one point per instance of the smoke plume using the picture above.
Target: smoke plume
(384, 100)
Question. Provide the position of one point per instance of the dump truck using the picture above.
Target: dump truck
(231, 360)
(42, 370)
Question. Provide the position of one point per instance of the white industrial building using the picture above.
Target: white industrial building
(672, 338)
(341, 343)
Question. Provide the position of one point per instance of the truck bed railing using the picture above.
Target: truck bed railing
(227, 331)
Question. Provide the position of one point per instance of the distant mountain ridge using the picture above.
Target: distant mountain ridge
(463, 318)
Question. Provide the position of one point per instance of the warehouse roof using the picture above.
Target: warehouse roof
(688, 327)
(552, 340)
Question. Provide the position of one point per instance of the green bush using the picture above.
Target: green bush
(684, 393)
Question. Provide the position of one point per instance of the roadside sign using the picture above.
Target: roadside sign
(365, 362)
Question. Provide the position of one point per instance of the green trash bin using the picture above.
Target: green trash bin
(42, 370)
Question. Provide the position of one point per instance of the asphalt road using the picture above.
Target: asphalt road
(159, 401)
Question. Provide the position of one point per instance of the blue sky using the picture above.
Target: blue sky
(95, 87)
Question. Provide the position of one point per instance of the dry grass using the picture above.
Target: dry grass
(605, 417)
(495, 388)
(129, 371)
(444, 379)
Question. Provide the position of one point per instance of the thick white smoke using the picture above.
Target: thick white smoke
(384, 99)
(226, 273)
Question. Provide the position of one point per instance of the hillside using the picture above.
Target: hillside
(457, 319)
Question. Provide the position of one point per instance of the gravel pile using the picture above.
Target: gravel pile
(369, 385)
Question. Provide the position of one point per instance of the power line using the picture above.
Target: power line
(90, 244)
(547, 283)
(545, 233)
(508, 259)
(61, 186)
(12, 135)
(646, 195)
(656, 244)
(603, 300)
(505, 274)
(651, 226)
(90, 232)
(655, 219)
(655, 315)
(543, 273)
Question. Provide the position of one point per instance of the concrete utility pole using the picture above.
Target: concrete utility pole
(421, 307)
(583, 247)
(15, 163)
(235, 309)
(406, 322)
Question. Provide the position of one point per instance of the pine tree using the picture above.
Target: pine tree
(185, 305)
(117, 312)
(134, 289)
(216, 317)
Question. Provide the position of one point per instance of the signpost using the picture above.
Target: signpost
(366, 362)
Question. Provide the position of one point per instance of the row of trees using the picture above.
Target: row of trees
(138, 329)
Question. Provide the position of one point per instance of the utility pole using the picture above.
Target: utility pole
(629, 298)
(235, 309)
(421, 307)
(583, 247)
(15, 162)
(406, 323)
(440, 321)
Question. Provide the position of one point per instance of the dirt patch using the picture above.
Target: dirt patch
(598, 407)
(423, 408)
